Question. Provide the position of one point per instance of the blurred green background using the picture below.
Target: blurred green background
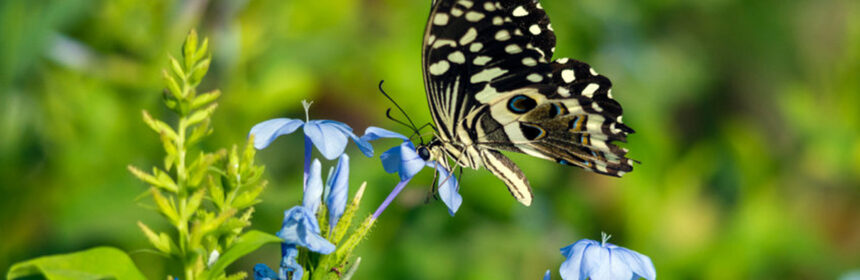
(746, 113)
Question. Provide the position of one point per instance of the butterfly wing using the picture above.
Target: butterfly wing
(489, 81)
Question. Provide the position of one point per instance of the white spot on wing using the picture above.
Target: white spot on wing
(487, 75)
(590, 89)
(474, 16)
(457, 57)
(567, 75)
(535, 78)
(440, 19)
(519, 11)
(482, 60)
(486, 94)
(456, 12)
(470, 36)
(465, 3)
(563, 60)
(503, 35)
(596, 107)
(528, 61)
(443, 42)
(592, 71)
(534, 29)
(476, 46)
(513, 49)
(439, 68)
(489, 6)
(563, 92)
(498, 20)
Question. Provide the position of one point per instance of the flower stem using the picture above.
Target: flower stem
(390, 197)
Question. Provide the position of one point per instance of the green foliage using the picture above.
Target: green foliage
(92, 264)
(745, 111)
(230, 181)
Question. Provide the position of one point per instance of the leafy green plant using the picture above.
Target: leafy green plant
(208, 197)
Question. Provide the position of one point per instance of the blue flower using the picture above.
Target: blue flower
(330, 137)
(263, 272)
(300, 229)
(589, 259)
(406, 162)
(338, 190)
(546, 276)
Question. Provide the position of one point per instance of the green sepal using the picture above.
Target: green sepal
(165, 206)
(193, 204)
(165, 181)
(198, 132)
(245, 244)
(189, 48)
(344, 250)
(177, 69)
(159, 126)
(199, 70)
(173, 88)
(202, 50)
(160, 241)
(248, 198)
(216, 193)
(91, 264)
(346, 219)
(205, 98)
(200, 115)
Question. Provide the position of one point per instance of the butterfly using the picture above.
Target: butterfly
(492, 87)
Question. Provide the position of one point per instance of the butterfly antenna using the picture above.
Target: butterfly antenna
(388, 115)
(415, 128)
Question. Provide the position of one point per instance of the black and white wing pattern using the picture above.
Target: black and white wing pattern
(491, 86)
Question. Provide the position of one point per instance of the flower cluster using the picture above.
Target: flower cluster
(302, 232)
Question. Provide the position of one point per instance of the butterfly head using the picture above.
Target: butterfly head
(430, 151)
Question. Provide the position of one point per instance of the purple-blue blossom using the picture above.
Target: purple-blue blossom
(330, 137)
(338, 190)
(405, 161)
(589, 259)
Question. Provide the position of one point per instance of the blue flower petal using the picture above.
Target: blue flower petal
(337, 196)
(572, 267)
(302, 229)
(410, 162)
(328, 136)
(391, 159)
(266, 132)
(448, 188)
(313, 188)
(289, 253)
(263, 272)
(363, 145)
(640, 264)
(374, 133)
(596, 263)
(547, 276)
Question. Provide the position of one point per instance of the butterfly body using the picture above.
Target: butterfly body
(491, 86)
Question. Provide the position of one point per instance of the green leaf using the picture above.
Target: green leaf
(205, 98)
(96, 263)
(189, 48)
(177, 68)
(247, 243)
